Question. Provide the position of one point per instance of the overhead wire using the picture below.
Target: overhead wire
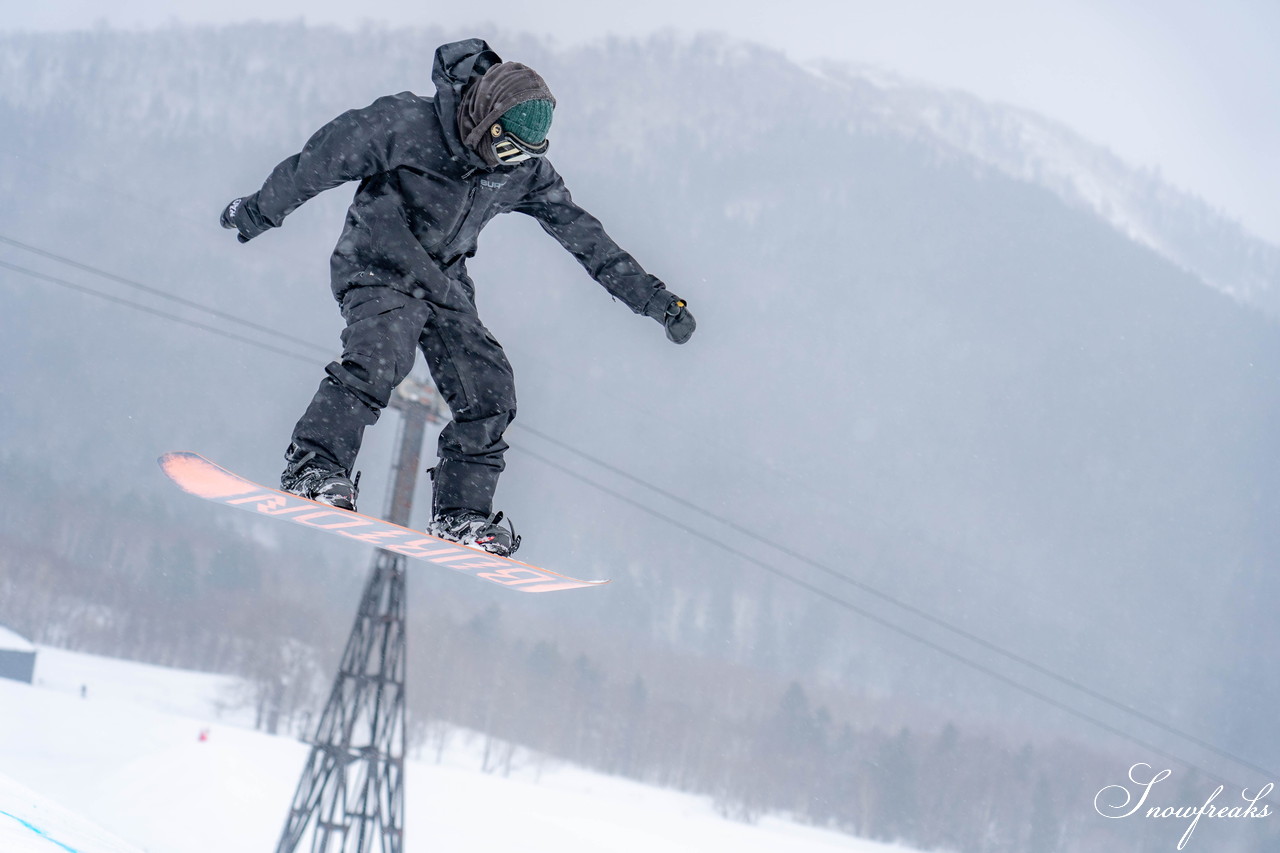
(729, 523)
(163, 294)
(890, 625)
(897, 602)
(79, 288)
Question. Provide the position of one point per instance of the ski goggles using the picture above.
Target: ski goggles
(509, 148)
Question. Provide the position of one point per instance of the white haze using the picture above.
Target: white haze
(1181, 87)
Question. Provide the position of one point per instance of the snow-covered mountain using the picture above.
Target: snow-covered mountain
(1016, 142)
(1029, 147)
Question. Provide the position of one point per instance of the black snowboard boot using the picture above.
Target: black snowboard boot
(307, 476)
(468, 527)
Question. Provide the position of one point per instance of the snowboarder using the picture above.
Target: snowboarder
(433, 171)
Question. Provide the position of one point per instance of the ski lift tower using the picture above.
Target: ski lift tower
(350, 798)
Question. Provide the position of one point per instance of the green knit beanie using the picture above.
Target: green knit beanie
(529, 120)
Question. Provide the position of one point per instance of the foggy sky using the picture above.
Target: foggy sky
(1184, 87)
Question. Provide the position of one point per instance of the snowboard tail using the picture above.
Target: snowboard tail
(198, 476)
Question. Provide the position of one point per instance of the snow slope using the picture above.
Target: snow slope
(128, 757)
(10, 641)
(30, 823)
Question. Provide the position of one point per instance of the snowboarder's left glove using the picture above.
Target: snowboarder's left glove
(675, 316)
(241, 216)
(679, 322)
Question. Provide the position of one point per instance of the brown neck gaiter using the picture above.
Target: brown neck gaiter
(485, 100)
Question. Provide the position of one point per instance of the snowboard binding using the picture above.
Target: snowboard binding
(468, 527)
(308, 478)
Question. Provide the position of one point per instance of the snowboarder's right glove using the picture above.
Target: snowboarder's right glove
(675, 316)
(241, 215)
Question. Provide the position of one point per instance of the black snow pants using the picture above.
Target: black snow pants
(384, 329)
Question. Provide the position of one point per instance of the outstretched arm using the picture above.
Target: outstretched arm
(355, 145)
(584, 237)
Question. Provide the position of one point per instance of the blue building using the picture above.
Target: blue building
(17, 657)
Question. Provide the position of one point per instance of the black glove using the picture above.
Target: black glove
(673, 313)
(679, 321)
(239, 215)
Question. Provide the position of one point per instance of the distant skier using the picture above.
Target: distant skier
(433, 172)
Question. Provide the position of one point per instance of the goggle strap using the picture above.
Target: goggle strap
(508, 152)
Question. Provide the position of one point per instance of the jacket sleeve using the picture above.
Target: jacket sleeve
(355, 145)
(584, 237)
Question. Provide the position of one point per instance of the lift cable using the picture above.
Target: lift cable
(912, 609)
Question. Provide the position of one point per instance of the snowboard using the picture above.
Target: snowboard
(198, 476)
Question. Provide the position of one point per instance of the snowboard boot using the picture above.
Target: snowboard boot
(468, 527)
(308, 477)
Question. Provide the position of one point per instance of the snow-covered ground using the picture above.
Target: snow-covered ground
(120, 767)
(10, 641)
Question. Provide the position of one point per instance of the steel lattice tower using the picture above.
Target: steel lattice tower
(350, 798)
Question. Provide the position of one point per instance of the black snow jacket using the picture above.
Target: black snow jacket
(424, 197)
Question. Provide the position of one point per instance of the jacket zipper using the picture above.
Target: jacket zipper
(466, 214)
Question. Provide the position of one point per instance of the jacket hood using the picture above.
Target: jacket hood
(456, 65)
